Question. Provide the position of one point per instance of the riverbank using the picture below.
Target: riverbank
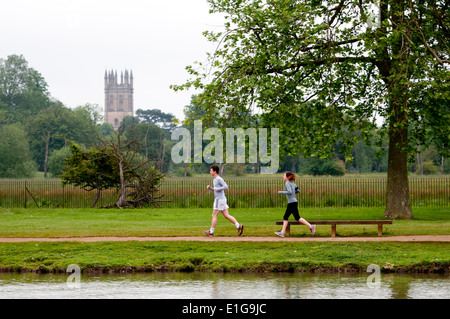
(145, 240)
(214, 256)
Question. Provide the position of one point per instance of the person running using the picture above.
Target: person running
(220, 203)
(290, 189)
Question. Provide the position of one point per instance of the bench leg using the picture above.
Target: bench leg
(288, 230)
(333, 230)
(380, 229)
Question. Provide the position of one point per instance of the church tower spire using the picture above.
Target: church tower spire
(118, 97)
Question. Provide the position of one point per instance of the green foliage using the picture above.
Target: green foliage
(330, 167)
(321, 73)
(15, 155)
(90, 169)
(114, 163)
(91, 112)
(56, 161)
(157, 117)
(51, 126)
(23, 90)
(106, 129)
(429, 168)
(154, 143)
(181, 171)
(321, 67)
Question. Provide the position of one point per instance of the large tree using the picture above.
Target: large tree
(48, 130)
(157, 117)
(23, 90)
(15, 155)
(327, 70)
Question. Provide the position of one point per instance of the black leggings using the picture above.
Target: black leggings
(292, 208)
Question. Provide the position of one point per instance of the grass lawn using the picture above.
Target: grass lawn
(189, 222)
(215, 256)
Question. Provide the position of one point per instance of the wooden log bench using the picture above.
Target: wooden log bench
(333, 224)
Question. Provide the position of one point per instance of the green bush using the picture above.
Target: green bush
(56, 163)
(318, 166)
(429, 168)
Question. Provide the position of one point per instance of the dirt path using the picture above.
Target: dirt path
(418, 238)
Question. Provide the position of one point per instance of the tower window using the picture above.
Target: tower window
(120, 107)
(111, 103)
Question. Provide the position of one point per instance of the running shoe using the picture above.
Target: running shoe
(279, 233)
(207, 233)
(313, 229)
(240, 230)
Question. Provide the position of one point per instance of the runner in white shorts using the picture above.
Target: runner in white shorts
(220, 203)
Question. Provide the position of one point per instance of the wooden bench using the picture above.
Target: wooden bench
(333, 224)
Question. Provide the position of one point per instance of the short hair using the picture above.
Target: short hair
(215, 168)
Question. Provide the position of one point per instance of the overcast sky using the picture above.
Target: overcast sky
(72, 42)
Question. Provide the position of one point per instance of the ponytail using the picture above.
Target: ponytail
(290, 176)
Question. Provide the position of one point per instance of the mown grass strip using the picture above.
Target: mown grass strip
(136, 256)
(190, 222)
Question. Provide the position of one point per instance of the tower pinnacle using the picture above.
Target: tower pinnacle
(118, 97)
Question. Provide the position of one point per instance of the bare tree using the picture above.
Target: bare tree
(139, 180)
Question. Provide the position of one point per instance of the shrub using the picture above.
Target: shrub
(318, 166)
(429, 168)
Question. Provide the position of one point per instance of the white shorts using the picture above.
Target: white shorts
(220, 204)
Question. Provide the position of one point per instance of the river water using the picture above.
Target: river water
(174, 285)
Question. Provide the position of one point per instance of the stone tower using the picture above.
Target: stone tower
(118, 97)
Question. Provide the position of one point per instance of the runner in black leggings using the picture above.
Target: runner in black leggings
(290, 189)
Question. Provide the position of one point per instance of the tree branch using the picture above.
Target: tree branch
(422, 37)
(338, 11)
(316, 62)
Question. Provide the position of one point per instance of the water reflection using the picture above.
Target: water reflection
(224, 286)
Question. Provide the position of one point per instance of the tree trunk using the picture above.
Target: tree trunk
(397, 194)
(97, 196)
(47, 142)
(419, 160)
(122, 196)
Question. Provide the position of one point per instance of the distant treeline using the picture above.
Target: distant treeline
(35, 128)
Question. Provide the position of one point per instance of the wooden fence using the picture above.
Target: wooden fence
(242, 193)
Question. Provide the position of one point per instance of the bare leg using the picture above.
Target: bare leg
(304, 222)
(214, 218)
(285, 223)
(228, 216)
